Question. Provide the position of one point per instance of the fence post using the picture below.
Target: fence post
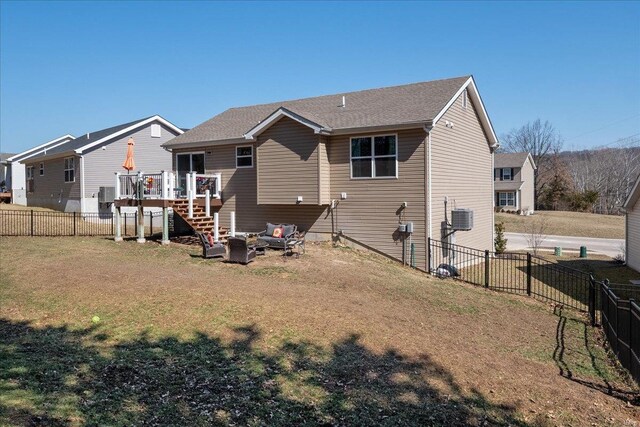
(150, 223)
(529, 273)
(135, 217)
(32, 222)
(487, 266)
(74, 224)
(592, 300)
(429, 254)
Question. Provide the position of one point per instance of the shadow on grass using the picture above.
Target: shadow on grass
(58, 376)
(580, 355)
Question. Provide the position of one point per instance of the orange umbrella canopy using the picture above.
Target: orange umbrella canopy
(129, 164)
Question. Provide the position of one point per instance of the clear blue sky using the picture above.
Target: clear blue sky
(74, 67)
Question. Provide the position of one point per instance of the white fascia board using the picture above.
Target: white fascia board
(482, 114)
(34, 150)
(532, 162)
(43, 152)
(277, 115)
(635, 191)
(129, 129)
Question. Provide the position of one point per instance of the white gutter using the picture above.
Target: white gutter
(428, 129)
(82, 184)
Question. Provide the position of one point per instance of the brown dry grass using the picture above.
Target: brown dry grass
(338, 336)
(561, 223)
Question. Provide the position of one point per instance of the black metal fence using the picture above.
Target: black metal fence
(520, 273)
(620, 319)
(45, 223)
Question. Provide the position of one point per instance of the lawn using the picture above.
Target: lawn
(561, 223)
(337, 337)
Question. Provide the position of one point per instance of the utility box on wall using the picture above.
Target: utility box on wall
(462, 219)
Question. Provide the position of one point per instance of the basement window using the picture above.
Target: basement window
(41, 168)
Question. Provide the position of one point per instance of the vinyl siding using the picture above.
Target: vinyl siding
(324, 172)
(50, 190)
(462, 170)
(369, 215)
(371, 212)
(527, 190)
(150, 157)
(633, 236)
(287, 164)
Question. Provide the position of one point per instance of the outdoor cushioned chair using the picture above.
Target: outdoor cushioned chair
(239, 250)
(210, 250)
(266, 236)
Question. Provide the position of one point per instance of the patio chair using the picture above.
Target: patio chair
(210, 250)
(288, 233)
(239, 250)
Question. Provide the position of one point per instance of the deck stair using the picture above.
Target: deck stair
(199, 222)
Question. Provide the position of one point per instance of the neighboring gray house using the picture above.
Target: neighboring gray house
(514, 175)
(632, 235)
(16, 172)
(355, 165)
(68, 176)
(4, 166)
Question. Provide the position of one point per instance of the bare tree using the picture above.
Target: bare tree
(538, 138)
(536, 233)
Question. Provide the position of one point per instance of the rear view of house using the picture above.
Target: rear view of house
(632, 208)
(514, 175)
(381, 168)
(67, 176)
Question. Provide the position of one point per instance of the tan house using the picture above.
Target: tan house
(632, 235)
(514, 176)
(372, 167)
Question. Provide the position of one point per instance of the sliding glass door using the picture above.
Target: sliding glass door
(185, 163)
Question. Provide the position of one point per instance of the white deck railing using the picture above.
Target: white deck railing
(145, 185)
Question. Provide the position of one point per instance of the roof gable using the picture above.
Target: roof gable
(633, 196)
(513, 160)
(31, 152)
(92, 139)
(284, 112)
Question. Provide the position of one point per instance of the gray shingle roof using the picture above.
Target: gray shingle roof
(85, 139)
(510, 160)
(412, 103)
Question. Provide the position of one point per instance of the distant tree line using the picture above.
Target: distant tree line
(597, 180)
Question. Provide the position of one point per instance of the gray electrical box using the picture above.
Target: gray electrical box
(410, 227)
(462, 219)
(402, 228)
(106, 194)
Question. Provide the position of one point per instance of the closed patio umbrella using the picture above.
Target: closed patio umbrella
(129, 164)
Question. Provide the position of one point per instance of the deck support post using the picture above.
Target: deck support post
(207, 203)
(118, 236)
(165, 226)
(232, 226)
(140, 238)
(216, 234)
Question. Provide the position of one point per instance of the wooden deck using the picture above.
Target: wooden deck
(163, 203)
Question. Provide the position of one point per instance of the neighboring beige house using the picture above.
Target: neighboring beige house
(68, 176)
(514, 175)
(356, 165)
(632, 235)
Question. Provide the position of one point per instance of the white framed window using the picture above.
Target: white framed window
(30, 182)
(156, 130)
(506, 174)
(507, 199)
(69, 169)
(244, 156)
(374, 156)
(41, 168)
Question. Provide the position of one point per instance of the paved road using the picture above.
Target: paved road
(610, 247)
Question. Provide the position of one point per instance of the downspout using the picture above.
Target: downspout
(427, 199)
(82, 208)
(493, 198)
